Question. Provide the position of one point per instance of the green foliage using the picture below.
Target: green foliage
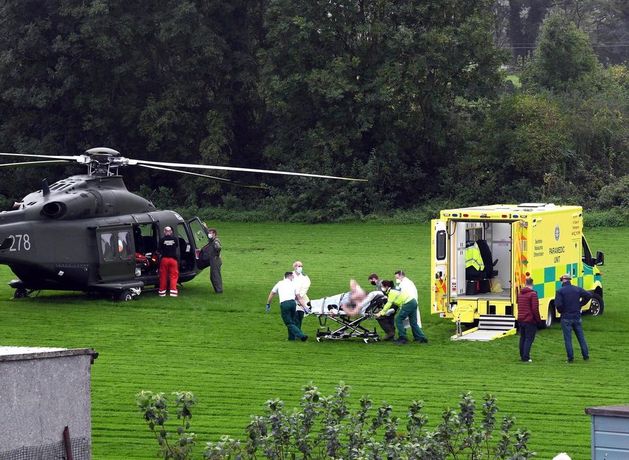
(325, 427)
(5, 203)
(406, 94)
(367, 88)
(615, 195)
(149, 80)
(521, 146)
(616, 217)
(563, 56)
(154, 409)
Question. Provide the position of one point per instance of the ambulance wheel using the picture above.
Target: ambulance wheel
(596, 305)
(550, 317)
(125, 296)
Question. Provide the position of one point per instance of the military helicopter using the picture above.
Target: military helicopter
(89, 233)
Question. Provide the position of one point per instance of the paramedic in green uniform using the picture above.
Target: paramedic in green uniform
(287, 292)
(407, 309)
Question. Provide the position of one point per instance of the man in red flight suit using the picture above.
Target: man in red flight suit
(169, 263)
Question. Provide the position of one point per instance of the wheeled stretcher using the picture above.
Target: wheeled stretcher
(330, 308)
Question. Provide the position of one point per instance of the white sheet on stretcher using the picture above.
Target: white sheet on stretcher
(329, 305)
(321, 306)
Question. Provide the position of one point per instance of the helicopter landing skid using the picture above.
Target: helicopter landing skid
(122, 291)
(128, 294)
(21, 293)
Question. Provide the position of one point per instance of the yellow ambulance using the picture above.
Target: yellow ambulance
(481, 257)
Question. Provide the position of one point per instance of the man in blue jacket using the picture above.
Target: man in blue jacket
(568, 301)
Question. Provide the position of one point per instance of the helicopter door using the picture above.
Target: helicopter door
(201, 242)
(116, 253)
(186, 251)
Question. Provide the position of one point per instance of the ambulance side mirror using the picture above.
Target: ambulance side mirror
(600, 258)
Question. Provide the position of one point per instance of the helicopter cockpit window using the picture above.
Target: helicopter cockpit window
(124, 244)
(199, 233)
(116, 245)
(184, 240)
(106, 246)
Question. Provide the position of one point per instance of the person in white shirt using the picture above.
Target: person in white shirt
(404, 284)
(302, 284)
(287, 293)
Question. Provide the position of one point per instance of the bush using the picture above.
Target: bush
(324, 427)
(615, 194)
(610, 218)
(154, 408)
(5, 203)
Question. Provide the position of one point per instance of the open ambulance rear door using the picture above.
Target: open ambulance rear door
(439, 256)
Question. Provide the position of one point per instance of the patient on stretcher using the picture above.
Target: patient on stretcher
(354, 304)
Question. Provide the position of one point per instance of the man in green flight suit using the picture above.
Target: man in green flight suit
(407, 309)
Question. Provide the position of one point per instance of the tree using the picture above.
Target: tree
(169, 80)
(522, 142)
(366, 88)
(524, 20)
(563, 57)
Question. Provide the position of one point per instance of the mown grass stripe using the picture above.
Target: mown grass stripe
(234, 357)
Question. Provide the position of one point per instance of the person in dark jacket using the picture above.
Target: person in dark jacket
(215, 261)
(568, 301)
(528, 318)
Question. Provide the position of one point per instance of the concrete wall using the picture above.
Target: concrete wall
(43, 390)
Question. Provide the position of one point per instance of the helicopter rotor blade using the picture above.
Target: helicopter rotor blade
(232, 168)
(50, 157)
(221, 179)
(29, 163)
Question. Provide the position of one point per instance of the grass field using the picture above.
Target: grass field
(234, 357)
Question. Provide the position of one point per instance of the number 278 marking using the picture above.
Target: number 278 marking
(20, 242)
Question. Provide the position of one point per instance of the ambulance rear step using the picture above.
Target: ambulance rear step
(490, 327)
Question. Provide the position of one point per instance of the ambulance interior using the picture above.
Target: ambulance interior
(494, 241)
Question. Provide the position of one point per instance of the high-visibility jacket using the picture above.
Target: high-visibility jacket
(396, 298)
(473, 258)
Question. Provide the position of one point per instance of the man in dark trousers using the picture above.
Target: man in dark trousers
(287, 292)
(169, 263)
(387, 322)
(568, 301)
(528, 319)
(215, 261)
(407, 309)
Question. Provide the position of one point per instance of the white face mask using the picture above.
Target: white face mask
(298, 270)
